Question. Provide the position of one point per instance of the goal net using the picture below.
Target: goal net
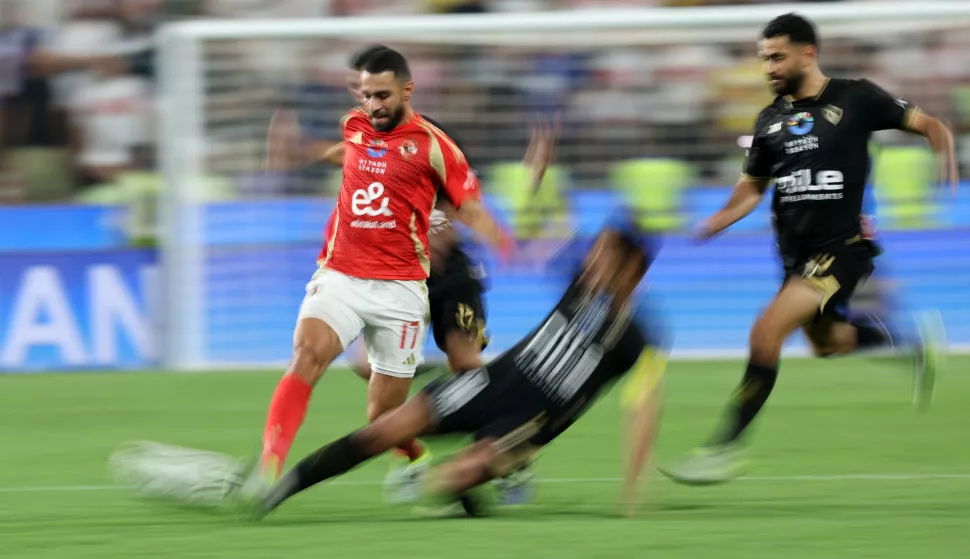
(655, 104)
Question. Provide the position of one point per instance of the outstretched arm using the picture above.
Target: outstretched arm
(941, 140)
(886, 112)
(287, 149)
(541, 150)
(463, 191)
(744, 199)
(538, 156)
(747, 193)
(331, 152)
(473, 214)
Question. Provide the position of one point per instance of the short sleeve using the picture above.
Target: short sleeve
(758, 161)
(455, 139)
(457, 180)
(882, 110)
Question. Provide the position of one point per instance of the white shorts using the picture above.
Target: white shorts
(393, 314)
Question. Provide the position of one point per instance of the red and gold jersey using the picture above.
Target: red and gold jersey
(391, 182)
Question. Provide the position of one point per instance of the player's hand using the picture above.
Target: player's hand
(507, 248)
(950, 175)
(702, 232)
(283, 141)
(542, 148)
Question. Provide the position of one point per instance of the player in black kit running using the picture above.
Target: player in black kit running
(812, 141)
(528, 396)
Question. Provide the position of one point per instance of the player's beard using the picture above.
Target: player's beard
(789, 84)
(393, 118)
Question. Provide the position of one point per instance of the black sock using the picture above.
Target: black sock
(335, 459)
(755, 388)
(872, 332)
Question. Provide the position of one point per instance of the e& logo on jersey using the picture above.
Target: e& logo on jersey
(362, 200)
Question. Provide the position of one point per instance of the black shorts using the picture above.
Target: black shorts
(457, 305)
(493, 402)
(836, 270)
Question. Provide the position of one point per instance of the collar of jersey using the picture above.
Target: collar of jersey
(791, 103)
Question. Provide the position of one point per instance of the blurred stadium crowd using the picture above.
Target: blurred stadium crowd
(78, 81)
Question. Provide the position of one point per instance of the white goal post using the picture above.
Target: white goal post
(232, 262)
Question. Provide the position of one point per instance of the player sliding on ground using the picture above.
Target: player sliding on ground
(813, 142)
(527, 397)
(456, 283)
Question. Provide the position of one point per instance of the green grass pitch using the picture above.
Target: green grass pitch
(842, 466)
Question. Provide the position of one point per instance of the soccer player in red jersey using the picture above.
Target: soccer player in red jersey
(456, 282)
(375, 261)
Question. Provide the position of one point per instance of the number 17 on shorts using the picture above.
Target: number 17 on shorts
(410, 332)
(396, 349)
(412, 339)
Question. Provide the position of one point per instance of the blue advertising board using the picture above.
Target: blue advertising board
(78, 310)
(85, 302)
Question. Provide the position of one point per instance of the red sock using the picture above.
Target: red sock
(413, 449)
(286, 413)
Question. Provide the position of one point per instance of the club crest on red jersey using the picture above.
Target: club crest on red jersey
(408, 148)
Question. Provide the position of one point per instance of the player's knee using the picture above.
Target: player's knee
(820, 346)
(464, 352)
(362, 370)
(312, 356)
(836, 339)
(765, 341)
(824, 350)
(840, 347)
